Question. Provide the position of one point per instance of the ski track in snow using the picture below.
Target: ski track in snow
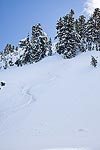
(31, 98)
(26, 94)
(27, 99)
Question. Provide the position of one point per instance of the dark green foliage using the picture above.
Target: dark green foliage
(1, 56)
(93, 61)
(39, 43)
(50, 47)
(90, 33)
(93, 31)
(18, 63)
(27, 55)
(8, 49)
(80, 27)
(16, 49)
(68, 39)
(36, 48)
(6, 64)
(11, 63)
(79, 35)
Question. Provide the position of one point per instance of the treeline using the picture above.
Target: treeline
(78, 35)
(28, 50)
(73, 36)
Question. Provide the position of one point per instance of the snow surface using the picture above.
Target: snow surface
(68, 149)
(51, 105)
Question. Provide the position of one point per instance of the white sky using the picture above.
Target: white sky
(90, 5)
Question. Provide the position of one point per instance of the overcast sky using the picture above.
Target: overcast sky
(18, 16)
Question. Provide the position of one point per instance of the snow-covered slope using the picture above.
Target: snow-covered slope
(54, 103)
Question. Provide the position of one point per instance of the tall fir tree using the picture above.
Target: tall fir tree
(25, 47)
(68, 39)
(80, 27)
(96, 17)
(39, 43)
(50, 47)
(27, 55)
(93, 31)
(59, 27)
(89, 33)
(8, 49)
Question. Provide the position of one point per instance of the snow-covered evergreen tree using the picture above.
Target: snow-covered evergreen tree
(8, 49)
(7, 56)
(50, 47)
(73, 36)
(68, 39)
(26, 57)
(39, 43)
(16, 49)
(1, 53)
(80, 27)
(5, 66)
(96, 17)
(93, 61)
(1, 59)
(93, 31)
(89, 33)
(59, 27)
(23, 43)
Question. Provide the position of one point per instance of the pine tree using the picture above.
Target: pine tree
(26, 57)
(1, 55)
(18, 62)
(8, 49)
(93, 30)
(10, 62)
(39, 43)
(89, 33)
(50, 47)
(80, 27)
(5, 64)
(96, 18)
(16, 49)
(1, 59)
(59, 27)
(67, 36)
(93, 61)
(22, 43)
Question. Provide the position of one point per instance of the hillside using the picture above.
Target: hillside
(54, 103)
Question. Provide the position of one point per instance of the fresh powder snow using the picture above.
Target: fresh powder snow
(51, 105)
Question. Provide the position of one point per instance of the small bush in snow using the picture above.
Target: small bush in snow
(93, 61)
(2, 83)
